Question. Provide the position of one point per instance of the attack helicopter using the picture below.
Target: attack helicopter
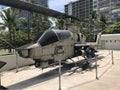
(53, 45)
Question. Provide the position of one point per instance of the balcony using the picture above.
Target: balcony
(116, 11)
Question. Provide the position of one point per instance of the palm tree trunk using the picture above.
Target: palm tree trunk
(28, 26)
(10, 48)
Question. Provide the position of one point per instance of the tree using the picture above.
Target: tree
(112, 29)
(35, 22)
(60, 23)
(79, 25)
(39, 23)
(103, 21)
(93, 20)
(93, 17)
(98, 21)
(9, 18)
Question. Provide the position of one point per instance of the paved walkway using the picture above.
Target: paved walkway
(31, 78)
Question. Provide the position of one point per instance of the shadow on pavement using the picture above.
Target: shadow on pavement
(47, 76)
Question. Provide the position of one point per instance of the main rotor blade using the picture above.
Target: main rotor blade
(35, 8)
(30, 7)
(39, 9)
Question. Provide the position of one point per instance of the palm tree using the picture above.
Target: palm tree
(60, 24)
(35, 22)
(93, 19)
(9, 18)
(113, 28)
(98, 20)
(103, 21)
(39, 22)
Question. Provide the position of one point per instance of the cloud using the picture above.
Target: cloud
(58, 5)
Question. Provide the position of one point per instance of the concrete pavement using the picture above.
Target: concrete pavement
(31, 78)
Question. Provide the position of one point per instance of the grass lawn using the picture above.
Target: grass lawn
(4, 52)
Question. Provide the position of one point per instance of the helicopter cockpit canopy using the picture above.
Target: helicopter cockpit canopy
(52, 36)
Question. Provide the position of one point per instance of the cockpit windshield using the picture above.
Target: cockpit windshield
(38, 36)
(52, 36)
(62, 34)
(48, 38)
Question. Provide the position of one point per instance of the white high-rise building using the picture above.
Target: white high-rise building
(80, 8)
(109, 7)
(95, 5)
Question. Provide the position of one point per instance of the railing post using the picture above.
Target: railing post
(0, 79)
(112, 57)
(60, 75)
(96, 68)
(16, 62)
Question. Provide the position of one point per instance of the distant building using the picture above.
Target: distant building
(95, 5)
(38, 2)
(43, 3)
(110, 7)
(80, 9)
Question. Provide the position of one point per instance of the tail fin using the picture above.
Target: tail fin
(98, 37)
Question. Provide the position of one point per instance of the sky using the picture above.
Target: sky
(1, 6)
(58, 5)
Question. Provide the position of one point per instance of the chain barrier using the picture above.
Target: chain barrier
(96, 65)
(109, 60)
